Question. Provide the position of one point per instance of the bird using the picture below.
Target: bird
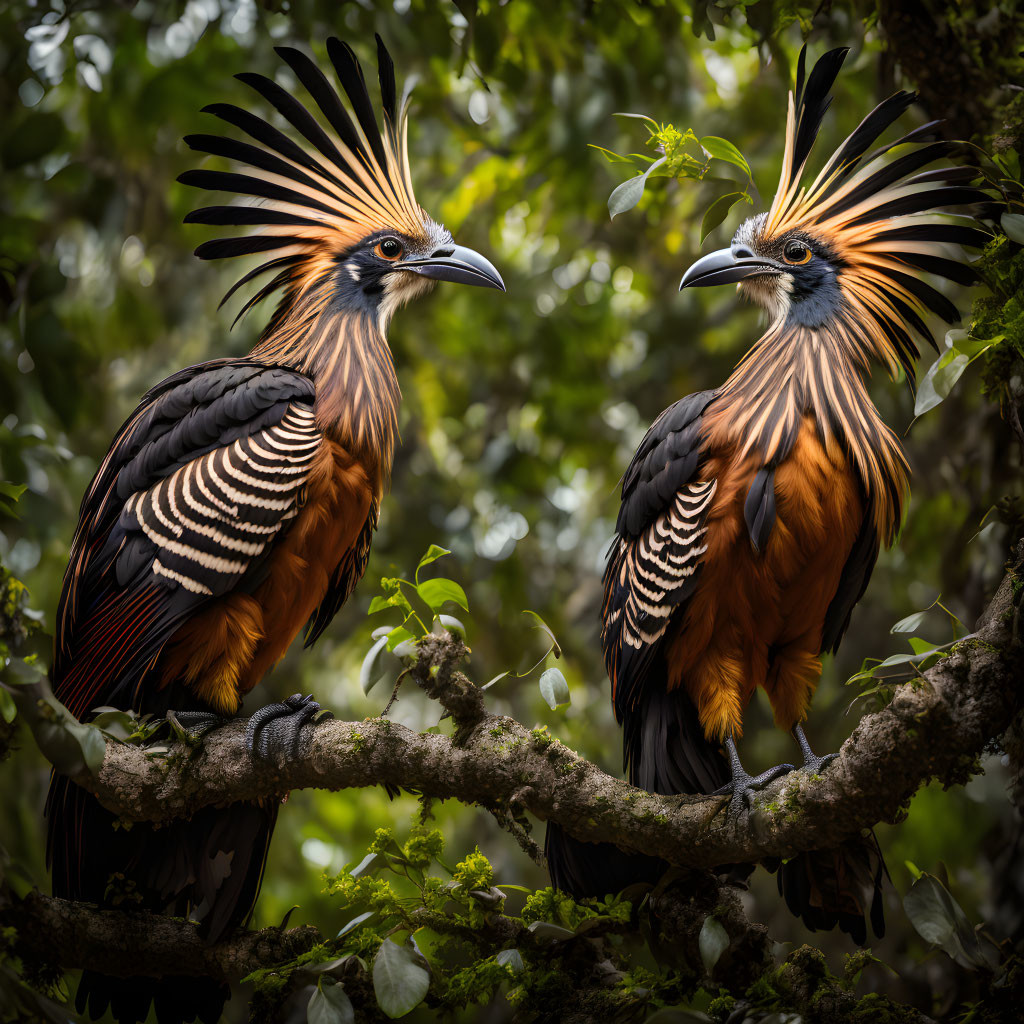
(752, 514)
(237, 504)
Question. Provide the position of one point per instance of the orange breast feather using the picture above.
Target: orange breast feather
(756, 619)
(226, 649)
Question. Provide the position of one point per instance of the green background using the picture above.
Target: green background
(520, 411)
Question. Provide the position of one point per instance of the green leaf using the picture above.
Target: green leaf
(371, 672)
(12, 491)
(546, 629)
(547, 930)
(449, 624)
(553, 688)
(399, 635)
(638, 117)
(436, 592)
(1013, 225)
(510, 958)
(400, 981)
(329, 1004)
(92, 745)
(940, 920)
(357, 921)
(723, 149)
(628, 194)
(8, 709)
(910, 623)
(396, 599)
(491, 682)
(717, 211)
(117, 724)
(959, 353)
(434, 552)
(615, 158)
(921, 646)
(713, 941)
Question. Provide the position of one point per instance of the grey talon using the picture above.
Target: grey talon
(812, 762)
(742, 785)
(278, 727)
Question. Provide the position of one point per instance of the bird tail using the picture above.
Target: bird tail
(840, 887)
(208, 868)
(664, 751)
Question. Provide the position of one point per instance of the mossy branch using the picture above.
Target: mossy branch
(935, 728)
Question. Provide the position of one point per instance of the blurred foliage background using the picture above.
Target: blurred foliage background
(519, 411)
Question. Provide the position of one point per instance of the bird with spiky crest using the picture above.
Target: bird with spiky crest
(237, 504)
(752, 514)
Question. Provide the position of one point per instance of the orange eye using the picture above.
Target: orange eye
(388, 249)
(796, 252)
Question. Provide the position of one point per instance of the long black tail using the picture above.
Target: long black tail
(666, 751)
(208, 868)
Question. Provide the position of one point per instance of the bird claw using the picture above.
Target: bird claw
(195, 724)
(278, 727)
(813, 765)
(743, 786)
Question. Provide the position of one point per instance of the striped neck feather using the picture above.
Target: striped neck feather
(793, 371)
(346, 355)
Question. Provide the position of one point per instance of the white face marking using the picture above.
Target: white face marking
(353, 271)
(402, 287)
(770, 292)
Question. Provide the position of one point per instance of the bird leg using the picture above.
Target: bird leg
(279, 726)
(742, 785)
(812, 763)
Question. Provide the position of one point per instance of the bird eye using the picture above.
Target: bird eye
(388, 248)
(796, 252)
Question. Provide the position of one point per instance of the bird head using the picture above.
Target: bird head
(846, 253)
(335, 211)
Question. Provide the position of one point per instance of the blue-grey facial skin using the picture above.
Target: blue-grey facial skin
(363, 278)
(814, 296)
(368, 280)
(804, 294)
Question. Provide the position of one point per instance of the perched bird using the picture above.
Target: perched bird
(238, 502)
(752, 514)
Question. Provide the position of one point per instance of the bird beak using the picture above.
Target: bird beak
(456, 263)
(726, 267)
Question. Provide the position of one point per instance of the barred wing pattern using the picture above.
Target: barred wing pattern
(655, 561)
(647, 579)
(212, 518)
(658, 568)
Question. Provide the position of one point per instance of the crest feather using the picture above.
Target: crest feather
(318, 194)
(882, 215)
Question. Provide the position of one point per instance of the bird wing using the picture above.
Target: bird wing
(654, 561)
(853, 581)
(184, 508)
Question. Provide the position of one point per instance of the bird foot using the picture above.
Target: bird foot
(277, 727)
(813, 765)
(742, 786)
(195, 724)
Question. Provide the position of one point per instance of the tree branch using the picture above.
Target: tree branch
(935, 727)
(128, 943)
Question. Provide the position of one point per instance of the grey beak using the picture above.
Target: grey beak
(456, 263)
(726, 266)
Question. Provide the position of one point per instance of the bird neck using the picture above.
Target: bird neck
(346, 355)
(795, 371)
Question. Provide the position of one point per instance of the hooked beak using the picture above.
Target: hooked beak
(726, 267)
(456, 263)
